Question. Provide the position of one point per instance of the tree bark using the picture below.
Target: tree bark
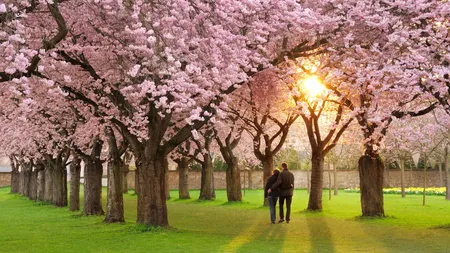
(59, 182)
(402, 178)
(329, 180)
(183, 178)
(33, 185)
(93, 171)
(75, 171)
(40, 193)
(207, 182)
(25, 179)
(233, 180)
(21, 182)
(114, 205)
(447, 174)
(152, 208)
(136, 181)
(425, 179)
(48, 188)
(268, 164)
(441, 179)
(315, 196)
(15, 176)
(371, 185)
(125, 171)
(250, 179)
(166, 178)
(335, 180)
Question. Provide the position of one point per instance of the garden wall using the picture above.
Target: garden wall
(253, 180)
(345, 179)
(5, 179)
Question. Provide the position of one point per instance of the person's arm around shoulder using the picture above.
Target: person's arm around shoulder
(277, 183)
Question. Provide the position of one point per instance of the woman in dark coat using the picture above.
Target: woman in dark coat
(273, 195)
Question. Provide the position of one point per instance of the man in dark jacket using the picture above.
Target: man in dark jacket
(285, 187)
(272, 196)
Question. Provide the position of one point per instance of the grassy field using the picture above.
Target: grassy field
(217, 226)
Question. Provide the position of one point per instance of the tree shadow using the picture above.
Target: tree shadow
(397, 239)
(442, 226)
(274, 234)
(320, 235)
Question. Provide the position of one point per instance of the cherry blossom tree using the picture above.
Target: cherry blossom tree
(322, 112)
(379, 71)
(228, 136)
(265, 113)
(181, 156)
(159, 80)
(203, 150)
(157, 71)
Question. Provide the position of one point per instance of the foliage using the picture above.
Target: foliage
(218, 165)
(291, 157)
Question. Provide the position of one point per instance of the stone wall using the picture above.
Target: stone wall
(253, 180)
(345, 179)
(414, 178)
(5, 179)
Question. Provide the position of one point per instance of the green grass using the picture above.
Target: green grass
(218, 226)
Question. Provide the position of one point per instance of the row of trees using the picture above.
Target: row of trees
(83, 80)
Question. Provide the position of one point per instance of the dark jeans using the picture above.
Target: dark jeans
(272, 204)
(288, 207)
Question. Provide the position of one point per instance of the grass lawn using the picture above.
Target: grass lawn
(217, 226)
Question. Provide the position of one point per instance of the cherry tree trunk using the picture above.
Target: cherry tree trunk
(93, 172)
(268, 164)
(207, 182)
(15, 179)
(315, 196)
(136, 181)
(33, 185)
(183, 179)
(447, 174)
(114, 205)
(233, 179)
(371, 170)
(25, 179)
(402, 177)
(21, 182)
(75, 171)
(48, 188)
(166, 178)
(40, 192)
(125, 171)
(250, 179)
(152, 208)
(335, 180)
(59, 184)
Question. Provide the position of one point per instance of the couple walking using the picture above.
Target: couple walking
(280, 184)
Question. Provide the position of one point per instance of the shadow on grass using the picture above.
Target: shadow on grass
(42, 203)
(319, 232)
(442, 226)
(182, 200)
(249, 240)
(371, 219)
(310, 212)
(133, 228)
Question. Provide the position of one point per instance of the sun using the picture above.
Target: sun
(313, 86)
